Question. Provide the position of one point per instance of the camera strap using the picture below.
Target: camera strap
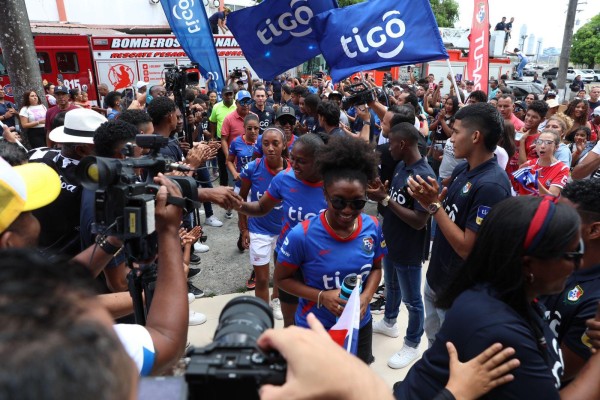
(184, 203)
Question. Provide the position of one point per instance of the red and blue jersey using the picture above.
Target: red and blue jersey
(258, 150)
(242, 151)
(326, 259)
(301, 200)
(259, 175)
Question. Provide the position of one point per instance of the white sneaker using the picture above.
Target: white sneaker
(213, 221)
(201, 247)
(383, 328)
(196, 318)
(276, 306)
(191, 298)
(403, 358)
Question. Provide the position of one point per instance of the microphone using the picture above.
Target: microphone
(179, 167)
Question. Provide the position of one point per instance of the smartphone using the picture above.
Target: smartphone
(458, 77)
(432, 86)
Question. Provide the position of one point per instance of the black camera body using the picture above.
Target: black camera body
(178, 77)
(236, 73)
(124, 204)
(360, 93)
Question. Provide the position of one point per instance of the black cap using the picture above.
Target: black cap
(226, 89)
(61, 89)
(335, 93)
(285, 110)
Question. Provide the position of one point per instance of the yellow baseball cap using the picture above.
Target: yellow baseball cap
(25, 187)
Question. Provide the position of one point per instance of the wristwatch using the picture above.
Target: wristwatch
(385, 201)
(434, 207)
(366, 122)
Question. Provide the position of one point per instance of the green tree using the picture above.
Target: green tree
(586, 44)
(445, 11)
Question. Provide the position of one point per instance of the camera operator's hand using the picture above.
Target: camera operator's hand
(331, 300)
(223, 196)
(304, 349)
(184, 146)
(363, 113)
(168, 216)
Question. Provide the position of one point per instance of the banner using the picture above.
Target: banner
(277, 35)
(479, 41)
(345, 330)
(188, 20)
(378, 33)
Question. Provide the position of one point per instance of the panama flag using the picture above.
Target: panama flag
(345, 330)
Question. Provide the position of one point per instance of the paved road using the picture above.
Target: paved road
(224, 269)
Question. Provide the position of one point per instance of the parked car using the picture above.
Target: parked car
(595, 73)
(522, 88)
(551, 73)
(586, 77)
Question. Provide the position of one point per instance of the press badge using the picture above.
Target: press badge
(482, 211)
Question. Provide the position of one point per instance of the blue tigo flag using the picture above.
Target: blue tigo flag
(277, 35)
(189, 23)
(378, 33)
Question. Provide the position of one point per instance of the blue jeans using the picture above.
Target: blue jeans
(434, 317)
(204, 182)
(403, 283)
(520, 67)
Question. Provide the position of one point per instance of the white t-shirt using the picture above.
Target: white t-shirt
(501, 156)
(138, 344)
(34, 113)
(384, 140)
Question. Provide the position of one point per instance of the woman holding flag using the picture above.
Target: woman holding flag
(336, 243)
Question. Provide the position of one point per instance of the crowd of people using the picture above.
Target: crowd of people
(500, 196)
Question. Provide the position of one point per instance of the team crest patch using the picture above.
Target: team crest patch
(585, 339)
(368, 244)
(482, 212)
(466, 188)
(574, 294)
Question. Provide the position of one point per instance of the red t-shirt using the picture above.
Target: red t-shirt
(513, 162)
(553, 175)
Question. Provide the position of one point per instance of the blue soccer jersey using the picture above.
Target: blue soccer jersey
(259, 175)
(242, 151)
(258, 150)
(301, 200)
(326, 259)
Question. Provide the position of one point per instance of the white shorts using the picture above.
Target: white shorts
(261, 248)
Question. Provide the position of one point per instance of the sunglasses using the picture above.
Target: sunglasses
(575, 256)
(287, 121)
(540, 142)
(339, 204)
(245, 102)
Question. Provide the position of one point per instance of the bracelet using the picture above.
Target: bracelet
(319, 305)
(104, 244)
(366, 122)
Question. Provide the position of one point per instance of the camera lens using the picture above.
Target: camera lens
(243, 320)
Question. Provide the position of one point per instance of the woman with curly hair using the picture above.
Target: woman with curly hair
(578, 110)
(336, 243)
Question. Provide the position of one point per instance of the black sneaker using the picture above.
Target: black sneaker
(194, 271)
(379, 291)
(195, 291)
(251, 283)
(194, 259)
(378, 306)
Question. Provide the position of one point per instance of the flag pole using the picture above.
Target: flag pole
(454, 82)
(351, 330)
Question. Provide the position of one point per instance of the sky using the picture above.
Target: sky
(544, 18)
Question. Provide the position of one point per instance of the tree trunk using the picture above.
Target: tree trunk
(563, 63)
(16, 40)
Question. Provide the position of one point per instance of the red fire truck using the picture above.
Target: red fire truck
(83, 61)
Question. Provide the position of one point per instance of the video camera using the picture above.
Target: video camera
(124, 205)
(236, 73)
(360, 93)
(233, 366)
(178, 77)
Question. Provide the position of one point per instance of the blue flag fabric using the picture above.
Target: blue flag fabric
(378, 33)
(277, 35)
(189, 23)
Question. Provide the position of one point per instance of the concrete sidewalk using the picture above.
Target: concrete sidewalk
(383, 346)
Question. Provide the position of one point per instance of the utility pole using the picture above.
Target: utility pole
(16, 40)
(563, 63)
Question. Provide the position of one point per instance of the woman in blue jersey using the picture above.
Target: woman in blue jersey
(242, 148)
(300, 191)
(526, 248)
(259, 234)
(336, 243)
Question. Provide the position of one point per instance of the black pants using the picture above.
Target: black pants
(36, 137)
(365, 343)
(223, 176)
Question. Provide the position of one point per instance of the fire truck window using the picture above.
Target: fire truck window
(44, 62)
(67, 62)
(2, 67)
